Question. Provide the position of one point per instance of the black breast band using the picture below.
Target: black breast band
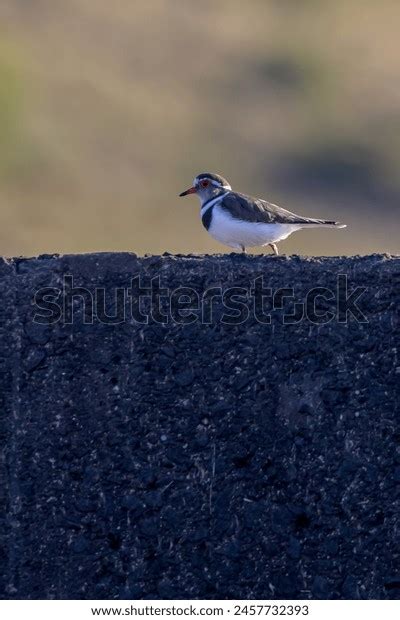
(207, 217)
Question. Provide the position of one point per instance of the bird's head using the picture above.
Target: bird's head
(207, 186)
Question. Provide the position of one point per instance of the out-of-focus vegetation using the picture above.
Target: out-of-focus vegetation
(109, 109)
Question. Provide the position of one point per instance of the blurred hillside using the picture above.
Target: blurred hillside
(109, 109)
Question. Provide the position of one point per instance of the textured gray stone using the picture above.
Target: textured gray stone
(190, 460)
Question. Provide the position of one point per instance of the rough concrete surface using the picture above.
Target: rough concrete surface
(195, 459)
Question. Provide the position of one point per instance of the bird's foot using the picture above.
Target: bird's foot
(274, 248)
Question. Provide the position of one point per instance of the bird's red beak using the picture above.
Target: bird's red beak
(191, 190)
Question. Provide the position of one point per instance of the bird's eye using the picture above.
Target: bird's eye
(205, 183)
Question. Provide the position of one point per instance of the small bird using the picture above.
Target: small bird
(241, 221)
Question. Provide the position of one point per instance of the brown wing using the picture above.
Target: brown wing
(257, 210)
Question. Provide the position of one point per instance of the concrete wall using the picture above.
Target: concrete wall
(211, 457)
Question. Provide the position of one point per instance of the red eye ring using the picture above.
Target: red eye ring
(205, 183)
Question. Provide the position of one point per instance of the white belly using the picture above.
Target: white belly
(236, 233)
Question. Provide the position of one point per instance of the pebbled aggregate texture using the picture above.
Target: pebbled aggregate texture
(205, 461)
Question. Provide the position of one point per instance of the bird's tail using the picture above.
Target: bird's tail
(311, 223)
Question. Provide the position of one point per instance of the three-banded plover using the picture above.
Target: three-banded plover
(241, 221)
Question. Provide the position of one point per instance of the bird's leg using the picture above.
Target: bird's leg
(243, 249)
(274, 248)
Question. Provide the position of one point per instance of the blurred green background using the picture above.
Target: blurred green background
(109, 109)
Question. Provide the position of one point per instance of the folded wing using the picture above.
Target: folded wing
(256, 210)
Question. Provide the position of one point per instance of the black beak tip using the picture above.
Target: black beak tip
(182, 194)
